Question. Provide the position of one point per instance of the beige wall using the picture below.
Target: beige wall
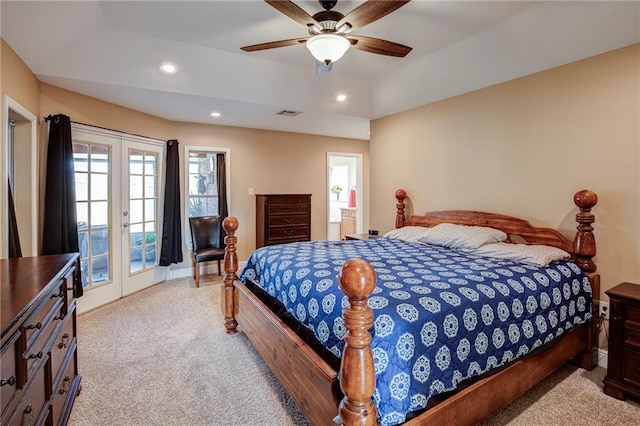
(18, 82)
(268, 161)
(524, 148)
(273, 162)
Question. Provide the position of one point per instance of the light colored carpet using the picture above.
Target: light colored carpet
(162, 357)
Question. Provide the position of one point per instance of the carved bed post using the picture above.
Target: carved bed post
(584, 247)
(585, 242)
(401, 195)
(357, 375)
(230, 225)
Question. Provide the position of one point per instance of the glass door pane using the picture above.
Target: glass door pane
(143, 210)
(92, 186)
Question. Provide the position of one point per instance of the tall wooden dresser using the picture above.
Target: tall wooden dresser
(282, 218)
(40, 377)
(623, 368)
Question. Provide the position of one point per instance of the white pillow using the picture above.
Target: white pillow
(462, 237)
(410, 234)
(533, 254)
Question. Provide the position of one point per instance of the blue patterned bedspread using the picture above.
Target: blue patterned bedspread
(440, 316)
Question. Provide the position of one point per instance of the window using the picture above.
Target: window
(202, 184)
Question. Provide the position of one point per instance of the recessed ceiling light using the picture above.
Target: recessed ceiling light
(341, 98)
(168, 68)
(215, 114)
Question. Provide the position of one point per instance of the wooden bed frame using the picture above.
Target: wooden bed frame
(326, 396)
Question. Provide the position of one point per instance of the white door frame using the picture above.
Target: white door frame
(359, 192)
(7, 105)
(119, 142)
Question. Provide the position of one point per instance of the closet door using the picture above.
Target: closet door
(118, 187)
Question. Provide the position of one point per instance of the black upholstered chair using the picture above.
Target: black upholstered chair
(205, 237)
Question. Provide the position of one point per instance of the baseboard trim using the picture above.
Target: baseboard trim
(603, 358)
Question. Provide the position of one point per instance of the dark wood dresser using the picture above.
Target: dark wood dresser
(282, 218)
(623, 367)
(40, 377)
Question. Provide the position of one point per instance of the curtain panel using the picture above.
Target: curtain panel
(171, 250)
(14, 238)
(221, 178)
(60, 228)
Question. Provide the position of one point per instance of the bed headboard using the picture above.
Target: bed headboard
(583, 247)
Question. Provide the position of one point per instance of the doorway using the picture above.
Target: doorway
(344, 195)
(118, 180)
(19, 148)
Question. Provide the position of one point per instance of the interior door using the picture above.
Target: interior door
(118, 199)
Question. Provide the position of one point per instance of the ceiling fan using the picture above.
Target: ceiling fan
(330, 31)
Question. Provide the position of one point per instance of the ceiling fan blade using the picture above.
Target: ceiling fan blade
(274, 44)
(367, 13)
(294, 12)
(381, 47)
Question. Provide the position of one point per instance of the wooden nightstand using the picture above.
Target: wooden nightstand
(623, 368)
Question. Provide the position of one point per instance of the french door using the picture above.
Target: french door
(118, 198)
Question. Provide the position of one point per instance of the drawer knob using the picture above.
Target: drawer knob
(59, 294)
(32, 326)
(288, 220)
(63, 342)
(59, 317)
(28, 411)
(38, 355)
(10, 381)
(288, 231)
(65, 385)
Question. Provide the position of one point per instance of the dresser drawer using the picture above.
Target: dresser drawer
(64, 342)
(64, 383)
(275, 200)
(277, 233)
(9, 371)
(36, 346)
(288, 210)
(631, 370)
(287, 240)
(37, 322)
(632, 337)
(348, 213)
(290, 220)
(30, 408)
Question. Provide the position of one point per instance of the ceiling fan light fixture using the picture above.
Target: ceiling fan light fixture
(328, 48)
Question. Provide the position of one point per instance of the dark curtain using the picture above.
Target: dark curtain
(14, 238)
(221, 178)
(171, 251)
(60, 229)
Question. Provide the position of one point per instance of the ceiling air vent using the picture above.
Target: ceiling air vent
(289, 113)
